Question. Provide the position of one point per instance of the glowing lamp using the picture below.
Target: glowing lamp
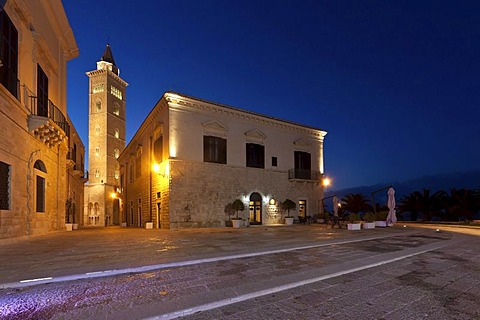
(326, 182)
(156, 167)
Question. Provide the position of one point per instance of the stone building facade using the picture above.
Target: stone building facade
(106, 114)
(192, 157)
(36, 41)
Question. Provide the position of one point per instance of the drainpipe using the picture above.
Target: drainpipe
(29, 173)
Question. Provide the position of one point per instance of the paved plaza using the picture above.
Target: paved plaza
(296, 272)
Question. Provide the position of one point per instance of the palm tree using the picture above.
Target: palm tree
(430, 205)
(355, 203)
(410, 203)
(462, 203)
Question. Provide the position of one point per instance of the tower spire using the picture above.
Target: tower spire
(107, 61)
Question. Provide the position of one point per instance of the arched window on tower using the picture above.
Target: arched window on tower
(97, 130)
(98, 105)
(117, 133)
(116, 109)
(116, 153)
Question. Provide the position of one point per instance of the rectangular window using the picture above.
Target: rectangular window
(255, 155)
(303, 165)
(40, 205)
(138, 167)
(130, 173)
(8, 54)
(42, 93)
(4, 186)
(274, 161)
(158, 149)
(214, 149)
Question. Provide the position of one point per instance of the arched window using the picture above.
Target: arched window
(98, 105)
(97, 173)
(116, 153)
(40, 185)
(97, 130)
(97, 151)
(116, 109)
(117, 133)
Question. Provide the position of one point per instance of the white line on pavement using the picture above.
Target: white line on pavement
(107, 273)
(252, 295)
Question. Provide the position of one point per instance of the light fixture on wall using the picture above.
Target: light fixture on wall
(273, 202)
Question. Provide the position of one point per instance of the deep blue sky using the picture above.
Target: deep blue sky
(395, 83)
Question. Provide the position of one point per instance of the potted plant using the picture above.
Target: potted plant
(369, 219)
(237, 205)
(229, 212)
(354, 221)
(381, 219)
(68, 211)
(288, 205)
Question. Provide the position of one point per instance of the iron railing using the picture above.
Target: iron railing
(302, 174)
(44, 109)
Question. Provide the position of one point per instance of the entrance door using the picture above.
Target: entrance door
(255, 208)
(302, 208)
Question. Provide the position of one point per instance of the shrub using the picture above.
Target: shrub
(369, 217)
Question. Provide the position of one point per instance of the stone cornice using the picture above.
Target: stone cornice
(176, 100)
(103, 71)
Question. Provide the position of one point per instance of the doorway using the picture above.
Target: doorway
(302, 208)
(255, 209)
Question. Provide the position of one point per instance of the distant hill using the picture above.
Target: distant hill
(469, 180)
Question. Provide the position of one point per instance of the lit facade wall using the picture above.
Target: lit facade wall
(185, 191)
(34, 144)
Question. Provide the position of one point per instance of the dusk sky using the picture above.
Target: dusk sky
(396, 84)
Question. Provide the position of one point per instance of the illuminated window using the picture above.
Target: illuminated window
(116, 153)
(117, 133)
(98, 88)
(116, 92)
(117, 174)
(97, 130)
(97, 151)
(97, 173)
(4, 186)
(116, 109)
(214, 149)
(98, 105)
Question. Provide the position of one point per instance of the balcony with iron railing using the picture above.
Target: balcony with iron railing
(302, 174)
(45, 119)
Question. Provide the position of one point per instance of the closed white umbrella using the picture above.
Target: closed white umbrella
(392, 217)
(335, 206)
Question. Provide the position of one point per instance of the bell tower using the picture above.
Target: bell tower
(106, 140)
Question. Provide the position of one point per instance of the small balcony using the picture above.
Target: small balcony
(302, 174)
(46, 120)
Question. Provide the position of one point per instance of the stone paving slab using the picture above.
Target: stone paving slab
(134, 296)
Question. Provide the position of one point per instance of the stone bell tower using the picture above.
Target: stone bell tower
(106, 140)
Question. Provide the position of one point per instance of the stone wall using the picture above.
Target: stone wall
(200, 191)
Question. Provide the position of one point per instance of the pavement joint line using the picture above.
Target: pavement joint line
(260, 293)
(115, 272)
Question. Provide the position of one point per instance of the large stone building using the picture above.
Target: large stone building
(106, 139)
(192, 157)
(36, 42)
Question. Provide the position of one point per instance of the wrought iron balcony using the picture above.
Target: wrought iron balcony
(301, 174)
(46, 121)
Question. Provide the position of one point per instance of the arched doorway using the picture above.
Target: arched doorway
(255, 208)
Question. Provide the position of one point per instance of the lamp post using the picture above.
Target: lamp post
(325, 182)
